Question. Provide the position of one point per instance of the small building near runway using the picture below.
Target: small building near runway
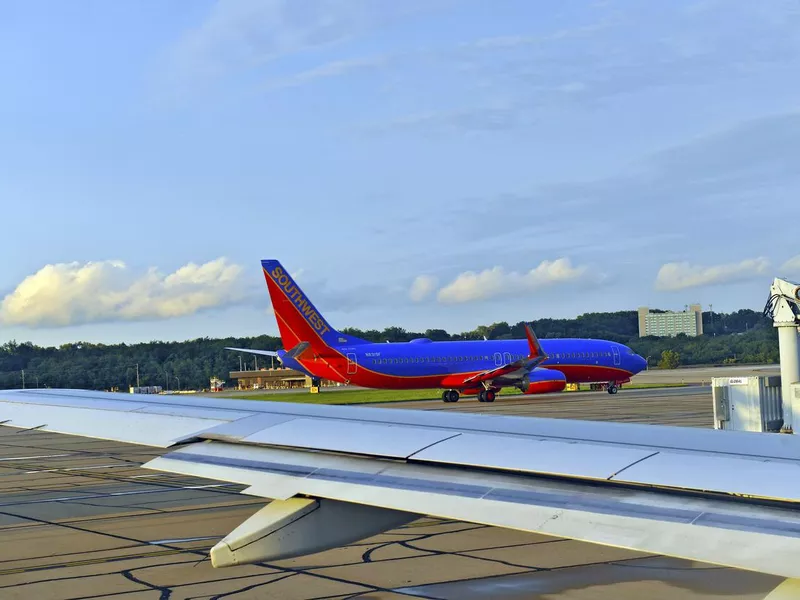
(275, 379)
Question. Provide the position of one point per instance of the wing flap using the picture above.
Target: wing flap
(714, 531)
(768, 479)
(591, 461)
(352, 438)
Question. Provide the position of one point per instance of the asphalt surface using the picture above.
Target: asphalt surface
(703, 375)
(80, 519)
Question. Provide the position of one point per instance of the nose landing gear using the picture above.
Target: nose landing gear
(612, 387)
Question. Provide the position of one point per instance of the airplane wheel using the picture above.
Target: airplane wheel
(489, 396)
(482, 396)
(612, 388)
(450, 396)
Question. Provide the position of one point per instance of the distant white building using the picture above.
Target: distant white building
(146, 389)
(669, 324)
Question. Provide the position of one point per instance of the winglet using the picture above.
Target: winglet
(536, 356)
(535, 348)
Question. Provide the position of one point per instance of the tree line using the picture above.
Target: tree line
(744, 336)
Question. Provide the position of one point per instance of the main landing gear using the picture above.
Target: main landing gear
(450, 395)
(612, 387)
(486, 396)
(483, 395)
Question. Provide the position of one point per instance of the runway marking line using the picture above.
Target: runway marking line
(113, 494)
(114, 466)
(32, 457)
(95, 561)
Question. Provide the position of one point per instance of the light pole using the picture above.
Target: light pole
(137, 373)
(711, 314)
(179, 381)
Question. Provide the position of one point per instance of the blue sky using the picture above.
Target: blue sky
(439, 163)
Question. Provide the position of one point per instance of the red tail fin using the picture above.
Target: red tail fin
(298, 319)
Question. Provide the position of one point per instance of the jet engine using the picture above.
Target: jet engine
(542, 381)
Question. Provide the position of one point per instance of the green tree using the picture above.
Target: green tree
(191, 363)
(669, 359)
(437, 335)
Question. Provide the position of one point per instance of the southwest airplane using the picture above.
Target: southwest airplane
(479, 368)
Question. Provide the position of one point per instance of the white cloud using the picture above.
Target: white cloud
(471, 286)
(422, 287)
(246, 34)
(252, 31)
(514, 41)
(65, 294)
(327, 71)
(792, 265)
(682, 275)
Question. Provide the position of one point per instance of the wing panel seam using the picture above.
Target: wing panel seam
(410, 456)
(636, 462)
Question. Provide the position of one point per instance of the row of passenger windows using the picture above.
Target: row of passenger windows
(428, 359)
(449, 359)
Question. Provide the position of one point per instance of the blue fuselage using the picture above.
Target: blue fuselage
(379, 365)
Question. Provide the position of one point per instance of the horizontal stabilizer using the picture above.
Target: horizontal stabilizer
(298, 350)
(251, 351)
(300, 526)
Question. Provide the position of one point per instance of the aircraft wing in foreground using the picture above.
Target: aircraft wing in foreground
(337, 474)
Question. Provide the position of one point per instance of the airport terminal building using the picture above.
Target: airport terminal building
(274, 379)
(669, 324)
